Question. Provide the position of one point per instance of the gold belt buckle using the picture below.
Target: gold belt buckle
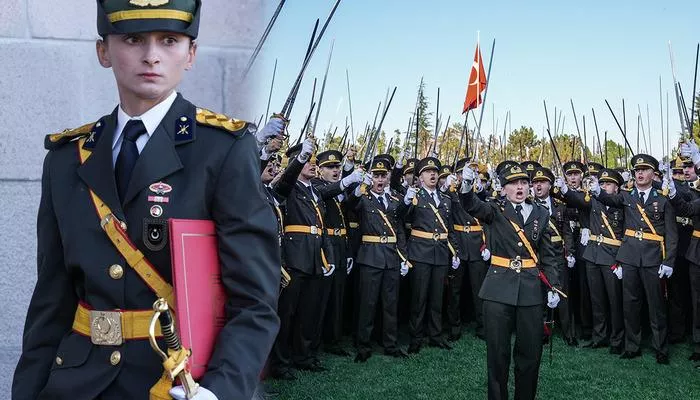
(383, 239)
(516, 264)
(599, 239)
(314, 230)
(336, 232)
(639, 235)
(436, 236)
(468, 229)
(106, 328)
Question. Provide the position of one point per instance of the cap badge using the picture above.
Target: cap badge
(605, 174)
(539, 173)
(431, 163)
(146, 3)
(640, 160)
(331, 157)
(516, 170)
(380, 164)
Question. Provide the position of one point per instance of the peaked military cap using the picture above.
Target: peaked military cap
(429, 163)
(410, 166)
(505, 164)
(389, 158)
(643, 161)
(379, 165)
(677, 165)
(573, 166)
(594, 168)
(293, 151)
(445, 170)
(530, 166)
(329, 158)
(542, 174)
(610, 175)
(460, 164)
(135, 16)
(512, 174)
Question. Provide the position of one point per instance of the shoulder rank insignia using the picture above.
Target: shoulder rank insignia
(235, 126)
(55, 140)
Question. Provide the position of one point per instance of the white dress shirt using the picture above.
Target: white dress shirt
(151, 119)
(527, 209)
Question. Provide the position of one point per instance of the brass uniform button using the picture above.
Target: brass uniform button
(59, 361)
(520, 244)
(116, 271)
(115, 358)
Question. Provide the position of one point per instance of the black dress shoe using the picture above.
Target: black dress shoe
(676, 339)
(571, 341)
(480, 335)
(694, 357)
(338, 351)
(628, 355)
(598, 345)
(362, 356)
(441, 344)
(283, 375)
(312, 367)
(398, 353)
(661, 358)
(615, 349)
(545, 339)
(414, 348)
(454, 337)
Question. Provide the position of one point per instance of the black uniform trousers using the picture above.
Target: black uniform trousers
(350, 303)
(638, 282)
(500, 322)
(585, 315)
(373, 284)
(334, 299)
(694, 272)
(427, 287)
(565, 311)
(297, 321)
(606, 303)
(476, 272)
(678, 299)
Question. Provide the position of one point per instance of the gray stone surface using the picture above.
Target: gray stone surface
(13, 18)
(238, 23)
(67, 19)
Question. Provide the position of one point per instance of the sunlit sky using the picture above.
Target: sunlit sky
(552, 50)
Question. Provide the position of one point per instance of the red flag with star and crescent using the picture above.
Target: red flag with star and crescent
(477, 83)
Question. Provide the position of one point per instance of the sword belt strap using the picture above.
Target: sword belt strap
(442, 223)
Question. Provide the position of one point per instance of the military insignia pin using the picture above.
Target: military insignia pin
(160, 188)
(156, 211)
(159, 199)
(183, 129)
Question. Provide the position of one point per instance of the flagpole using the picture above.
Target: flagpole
(486, 91)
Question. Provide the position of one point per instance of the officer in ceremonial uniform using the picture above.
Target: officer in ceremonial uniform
(607, 231)
(529, 167)
(512, 290)
(471, 241)
(647, 255)
(380, 260)
(118, 180)
(432, 249)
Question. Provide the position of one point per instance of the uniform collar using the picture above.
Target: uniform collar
(151, 118)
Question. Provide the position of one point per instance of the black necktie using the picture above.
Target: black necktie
(128, 154)
(641, 197)
(518, 210)
(381, 202)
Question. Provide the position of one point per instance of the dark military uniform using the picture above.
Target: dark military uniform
(607, 230)
(430, 254)
(512, 290)
(645, 246)
(79, 264)
(378, 262)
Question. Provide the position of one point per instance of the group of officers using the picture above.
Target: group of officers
(610, 250)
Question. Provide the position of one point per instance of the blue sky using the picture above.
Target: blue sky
(553, 50)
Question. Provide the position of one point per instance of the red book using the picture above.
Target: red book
(199, 293)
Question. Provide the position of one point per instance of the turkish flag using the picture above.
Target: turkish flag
(477, 83)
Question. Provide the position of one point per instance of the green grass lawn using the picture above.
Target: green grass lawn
(574, 374)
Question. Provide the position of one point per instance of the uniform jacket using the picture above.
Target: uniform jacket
(689, 209)
(379, 255)
(645, 253)
(422, 217)
(597, 252)
(469, 243)
(505, 285)
(214, 175)
(334, 218)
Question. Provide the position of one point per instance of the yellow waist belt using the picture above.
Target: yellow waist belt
(428, 235)
(378, 239)
(556, 239)
(112, 328)
(696, 234)
(468, 228)
(337, 231)
(312, 230)
(515, 264)
(354, 225)
(643, 235)
(606, 240)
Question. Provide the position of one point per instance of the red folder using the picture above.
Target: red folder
(199, 293)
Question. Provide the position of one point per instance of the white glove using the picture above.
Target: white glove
(485, 254)
(479, 186)
(559, 183)
(349, 262)
(367, 179)
(585, 236)
(469, 176)
(552, 299)
(307, 148)
(665, 271)
(669, 184)
(570, 261)
(617, 271)
(178, 393)
(331, 269)
(690, 149)
(497, 185)
(404, 156)
(625, 176)
(274, 127)
(355, 177)
(404, 268)
(594, 186)
(410, 194)
(448, 182)
(455, 262)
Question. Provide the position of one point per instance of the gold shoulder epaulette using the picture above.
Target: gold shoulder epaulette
(54, 140)
(210, 118)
